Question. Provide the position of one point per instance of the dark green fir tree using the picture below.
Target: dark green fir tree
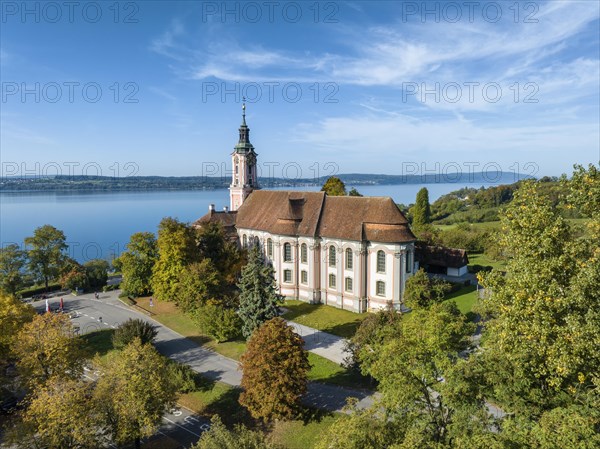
(259, 299)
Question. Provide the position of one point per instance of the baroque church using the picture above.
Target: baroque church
(354, 253)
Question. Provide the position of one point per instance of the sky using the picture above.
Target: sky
(402, 87)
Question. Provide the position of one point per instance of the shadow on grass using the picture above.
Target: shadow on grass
(350, 379)
(98, 342)
(346, 330)
(230, 410)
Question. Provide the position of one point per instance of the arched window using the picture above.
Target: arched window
(380, 288)
(256, 241)
(380, 261)
(349, 284)
(303, 253)
(349, 261)
(244, 241)
(408, 262)
(332, 256)
(287, 252)
(269, 247)
(332, 281)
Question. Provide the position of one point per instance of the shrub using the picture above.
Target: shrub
(110, 288)
(219, 322)
(131, 329)
(182, 376)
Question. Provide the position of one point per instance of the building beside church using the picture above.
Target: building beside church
(353, 253)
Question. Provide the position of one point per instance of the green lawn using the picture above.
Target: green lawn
(465, 299)
(487, 225)
(98, 342)
(300, 434)
(325, 318)
(324, 370)
(483, 260)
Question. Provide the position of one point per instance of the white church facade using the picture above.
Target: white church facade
(354, 253)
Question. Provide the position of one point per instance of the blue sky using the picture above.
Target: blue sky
(370, 87)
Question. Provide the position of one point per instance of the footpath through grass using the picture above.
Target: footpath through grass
(323, 370)
(342, 323)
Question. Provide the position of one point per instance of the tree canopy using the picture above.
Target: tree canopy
(274, 371)
(136, 263)
(334, 186)
(47, 253)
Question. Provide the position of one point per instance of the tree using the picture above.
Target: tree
(223, 253)
(428, 393)
(219, 437)
(221, 323)
(176, 249)
(131, 329)
(136, 263)
(46, 255)
(353, 192)
(134, 392)
(334, 186)
(73, 275)
(96, 271)
(421, 211)
(12, 261)
(14, 314)
(47, 347)
(274, 371)
(198, 284)
(542, 334)
(422, 291)
(61, 414)
(258, 295)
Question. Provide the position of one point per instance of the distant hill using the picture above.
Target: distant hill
(107, 183)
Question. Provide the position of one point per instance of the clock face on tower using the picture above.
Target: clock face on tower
(251, 159)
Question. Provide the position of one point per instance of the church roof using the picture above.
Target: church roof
(311, 214)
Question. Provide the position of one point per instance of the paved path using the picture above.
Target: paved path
(321, 343)
(109, 312)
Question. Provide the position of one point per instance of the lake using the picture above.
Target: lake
(98, 225)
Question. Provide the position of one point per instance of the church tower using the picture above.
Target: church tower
(243, 160)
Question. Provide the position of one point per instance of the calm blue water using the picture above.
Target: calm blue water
(98, 225)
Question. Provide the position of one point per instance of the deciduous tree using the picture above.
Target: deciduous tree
(96, 271)
(12, 261)
(259, 299)
(47, 253)
(274, 371)
(176, 249)
(219, 437)
(14, 314)
(48, 347)
(334, 186)
(136, 263)
(61, 414)
(134, 392)
(198, 284)
(422, 291)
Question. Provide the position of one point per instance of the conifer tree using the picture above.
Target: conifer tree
(421, 211)
(258, 295)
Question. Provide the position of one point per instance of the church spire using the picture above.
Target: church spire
(244, 145)
(243, 111)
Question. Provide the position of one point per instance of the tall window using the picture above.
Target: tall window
(380, 288)
(256, 241)
(287, 252)
(380, 261)
(332, 256)
(287, 276)
(269, 247)
(304, 277)
(349, 261)
(408, 262)
(244, 241)
(332, 281)
(303, 253)
(349, 284)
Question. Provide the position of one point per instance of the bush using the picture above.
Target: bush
(182, 376)
(110, 288)
(36, 290)
(219, 322)
(131, 329)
